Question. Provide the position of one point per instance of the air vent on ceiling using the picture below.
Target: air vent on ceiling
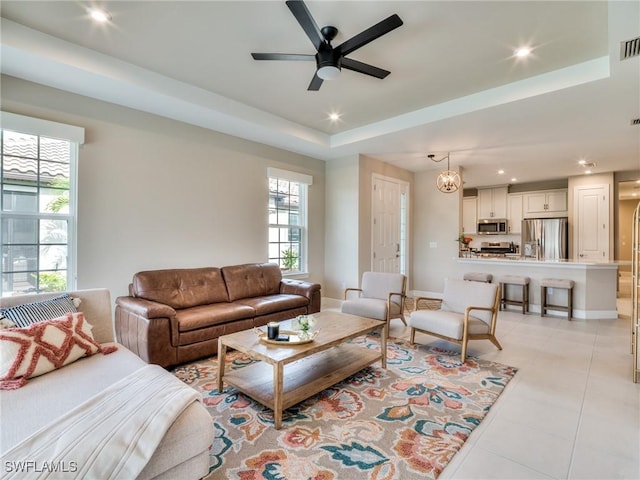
(630, 48)
(635, 121)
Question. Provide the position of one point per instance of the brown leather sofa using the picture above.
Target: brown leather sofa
(175, 316)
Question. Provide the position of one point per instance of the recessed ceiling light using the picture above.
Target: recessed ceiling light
(514, 179)
(500, 172)
(334, 117)
(522, 52)
(634, 194)
(587, 172)
(582, 161)
(99, 15)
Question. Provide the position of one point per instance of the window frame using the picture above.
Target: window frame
(58, 131)
(303, 181)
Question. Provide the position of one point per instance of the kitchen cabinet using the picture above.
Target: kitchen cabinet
(469, 215)
(515, 213)
(492, 203)
(545, 203)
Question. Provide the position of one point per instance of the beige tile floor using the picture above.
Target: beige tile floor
(571, 412)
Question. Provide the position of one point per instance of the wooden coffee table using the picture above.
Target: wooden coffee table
(310, 367)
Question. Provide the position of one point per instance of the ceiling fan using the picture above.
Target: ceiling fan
(330, 60)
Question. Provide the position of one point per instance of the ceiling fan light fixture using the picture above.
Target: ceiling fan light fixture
(328, 72)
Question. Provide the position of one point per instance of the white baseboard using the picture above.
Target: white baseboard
(327, 303)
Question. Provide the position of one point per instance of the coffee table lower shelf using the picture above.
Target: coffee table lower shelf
(302, 378)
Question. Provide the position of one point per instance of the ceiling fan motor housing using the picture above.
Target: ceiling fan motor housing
(327, 56)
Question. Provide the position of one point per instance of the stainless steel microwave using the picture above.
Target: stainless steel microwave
(492, 226)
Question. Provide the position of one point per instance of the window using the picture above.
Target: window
(38, 216)
(288, 219)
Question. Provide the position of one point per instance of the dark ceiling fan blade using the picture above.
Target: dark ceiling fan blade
(316, 83)
(365, 68)
(370, 34)
(306, 21)
(282, 56)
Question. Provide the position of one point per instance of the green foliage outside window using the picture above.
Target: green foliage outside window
(52, 282)
(289, 259)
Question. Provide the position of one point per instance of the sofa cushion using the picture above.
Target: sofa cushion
(181, 288)
(252, 280)
(203, 316)
(43, 347)
(274, 303)
(24, 315)
(204, 341)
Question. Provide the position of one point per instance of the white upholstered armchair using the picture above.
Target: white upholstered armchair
(468, 311)
(380, 296)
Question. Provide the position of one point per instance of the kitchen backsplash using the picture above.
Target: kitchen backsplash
(478, 239)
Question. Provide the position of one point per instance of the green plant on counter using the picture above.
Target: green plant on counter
(464, 240)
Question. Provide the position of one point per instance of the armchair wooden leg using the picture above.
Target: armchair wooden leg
(403, 320)
(495, 341)
(412, 337)
(463, 353)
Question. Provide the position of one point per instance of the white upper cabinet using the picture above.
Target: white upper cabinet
(545, 203)
(492, 203)
(469, 215)
(514, 214)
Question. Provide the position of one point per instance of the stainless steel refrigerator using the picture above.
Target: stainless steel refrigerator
(545, 238)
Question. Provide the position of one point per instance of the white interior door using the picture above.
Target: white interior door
(592, 222)
(388, 231)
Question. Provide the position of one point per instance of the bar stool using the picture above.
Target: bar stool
(521, 281)
(556, 283)
(478, 277)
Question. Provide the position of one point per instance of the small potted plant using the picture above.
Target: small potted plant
(305, 322)
(464, 240)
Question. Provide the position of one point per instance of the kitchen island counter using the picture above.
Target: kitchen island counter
(594, 293)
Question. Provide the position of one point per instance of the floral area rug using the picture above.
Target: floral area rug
(404, 422)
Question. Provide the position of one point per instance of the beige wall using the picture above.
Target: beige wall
(156, 193)
(436, 226)
(341, 239)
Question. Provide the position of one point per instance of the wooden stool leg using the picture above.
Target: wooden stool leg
(569, 303)
(543, 301)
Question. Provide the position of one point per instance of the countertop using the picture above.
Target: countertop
(521, 261)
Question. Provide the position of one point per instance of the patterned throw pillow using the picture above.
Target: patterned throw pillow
(43, 347)
(6, 323)
(28, 313)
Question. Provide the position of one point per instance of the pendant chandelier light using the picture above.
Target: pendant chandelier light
(448, 180)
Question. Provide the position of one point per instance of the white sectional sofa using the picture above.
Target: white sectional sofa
(183, 451)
